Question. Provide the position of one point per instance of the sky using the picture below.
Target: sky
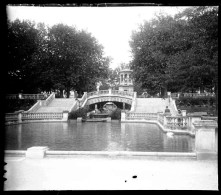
(111, 26)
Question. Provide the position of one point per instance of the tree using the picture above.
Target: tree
(177, 53)
(22, 44)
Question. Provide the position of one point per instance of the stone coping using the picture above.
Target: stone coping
(34, 121)
(161, 126)
(108, 153)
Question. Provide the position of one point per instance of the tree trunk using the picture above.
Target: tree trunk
(216, 95)
(68, 92)
(61, 93)
(202, 89)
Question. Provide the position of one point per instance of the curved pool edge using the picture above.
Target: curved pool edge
(178, 132)
(14, 153)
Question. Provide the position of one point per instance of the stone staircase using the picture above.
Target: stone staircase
(57, 105)
(153, 105)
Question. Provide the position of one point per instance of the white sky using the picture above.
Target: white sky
(111, 26)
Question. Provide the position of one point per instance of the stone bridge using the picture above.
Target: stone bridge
(108, 95)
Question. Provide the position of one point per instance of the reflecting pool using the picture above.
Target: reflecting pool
(114, 136)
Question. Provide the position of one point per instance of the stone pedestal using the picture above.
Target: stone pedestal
(123, 116)
(205, 139)
(183, 112)
(20, 95)
(36, 152)
(20, 116)
(79, 119)
(65, 115)
(109, 119)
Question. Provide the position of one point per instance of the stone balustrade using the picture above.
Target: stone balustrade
(110, 92)
(177, 95)
(140, 116)
(11, 117)
(97, 93)
(177, 122)
(42, 116)
(49, 99)
(24, 116)
(26, 96)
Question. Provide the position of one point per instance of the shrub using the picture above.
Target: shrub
(81, 112)
(116, 114)
(12, 105)
(193, 101)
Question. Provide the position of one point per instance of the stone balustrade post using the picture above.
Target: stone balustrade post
(123, 116)
(110, 91)
(20, 116)
(65, 115)
(206, 139)
(164, 120)
(20, 95)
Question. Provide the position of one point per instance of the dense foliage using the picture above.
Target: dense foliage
(56, 58)
(201, 101)
(81, 112)
(12, 105)
(177, 53)
(116, 114)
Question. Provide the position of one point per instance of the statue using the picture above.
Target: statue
(98, 84)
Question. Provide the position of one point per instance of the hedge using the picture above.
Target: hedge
(193, 101)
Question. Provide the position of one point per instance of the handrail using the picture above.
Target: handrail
(49, 99)
(35, 107)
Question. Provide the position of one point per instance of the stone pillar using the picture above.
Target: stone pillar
(109, 119)
(123, 105)
(79, 119)
(95, 107)
(36, 152)
(123, 116)
(20, 116)
(205, 139)
(20, 95)
(183, 112)
(164, 120)
(110, 91)
(65, 115)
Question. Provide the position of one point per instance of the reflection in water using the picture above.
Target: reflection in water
(19, 136)
(96, 137)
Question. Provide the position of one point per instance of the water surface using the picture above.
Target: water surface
(101, 136)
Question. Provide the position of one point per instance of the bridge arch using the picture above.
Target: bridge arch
(94, 100)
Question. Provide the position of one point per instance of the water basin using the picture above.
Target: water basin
(114, 136)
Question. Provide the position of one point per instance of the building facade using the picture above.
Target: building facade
(126, 81)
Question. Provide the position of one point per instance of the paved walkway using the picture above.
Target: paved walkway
(110, 173)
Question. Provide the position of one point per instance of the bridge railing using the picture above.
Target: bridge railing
(123, 93)
(111, 92)
(93, 93)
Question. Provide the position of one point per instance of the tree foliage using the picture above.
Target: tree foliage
(56, 58)
(177, 53)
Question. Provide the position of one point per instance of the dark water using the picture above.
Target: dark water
(113, 136)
